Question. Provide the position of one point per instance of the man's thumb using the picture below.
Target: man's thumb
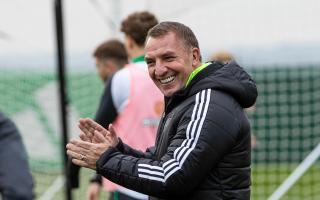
(112, 131)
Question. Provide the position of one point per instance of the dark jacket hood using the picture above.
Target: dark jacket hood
(229, 78)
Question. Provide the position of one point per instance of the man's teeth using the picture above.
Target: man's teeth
(167, 80)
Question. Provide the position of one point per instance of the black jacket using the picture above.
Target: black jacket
(16, 181)
(202, 150)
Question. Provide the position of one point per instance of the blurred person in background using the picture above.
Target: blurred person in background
(222, 56)
(225, 57)
(202, 150)
(136, 120)
(16, 181)
(254, 138)
(110, 56)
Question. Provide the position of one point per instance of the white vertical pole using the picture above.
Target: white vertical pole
(296, 174)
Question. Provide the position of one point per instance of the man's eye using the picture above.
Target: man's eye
(169, 58)
(149, 63)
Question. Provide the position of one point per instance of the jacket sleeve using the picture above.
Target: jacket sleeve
(127, 150)
(201, 138)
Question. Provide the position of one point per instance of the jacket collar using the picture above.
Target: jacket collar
(187, 91)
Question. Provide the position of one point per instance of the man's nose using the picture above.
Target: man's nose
(160, 70)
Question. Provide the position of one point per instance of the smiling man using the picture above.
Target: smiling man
(169, 68)
(202, 150)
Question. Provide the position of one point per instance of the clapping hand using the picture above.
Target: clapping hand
(94, 141)
(90, 128)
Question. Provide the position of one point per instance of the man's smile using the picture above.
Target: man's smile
(167, 80)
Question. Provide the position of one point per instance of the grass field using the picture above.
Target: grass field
(45, 180)
(265, 179)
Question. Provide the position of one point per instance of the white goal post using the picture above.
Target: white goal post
(296, 174)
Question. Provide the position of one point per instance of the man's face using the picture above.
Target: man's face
(105, 68)
(170, 62)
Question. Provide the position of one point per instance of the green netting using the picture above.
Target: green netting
(286, 123)
(30, 98)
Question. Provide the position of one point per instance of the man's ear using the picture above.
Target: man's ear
(196, 57)
(131, 42)
(112, 65)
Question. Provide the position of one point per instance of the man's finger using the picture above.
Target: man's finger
(86, 124)
(112, 131)
(80, 163)
(83, 121)
(73, 154)
(98, 137)
(89, 126)
(91, 123)
(114, 140)
(96, 126)
(85, 130)
(76, 155)
(83, 163)
(84, 137)
(76, 151)
(82, 144)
